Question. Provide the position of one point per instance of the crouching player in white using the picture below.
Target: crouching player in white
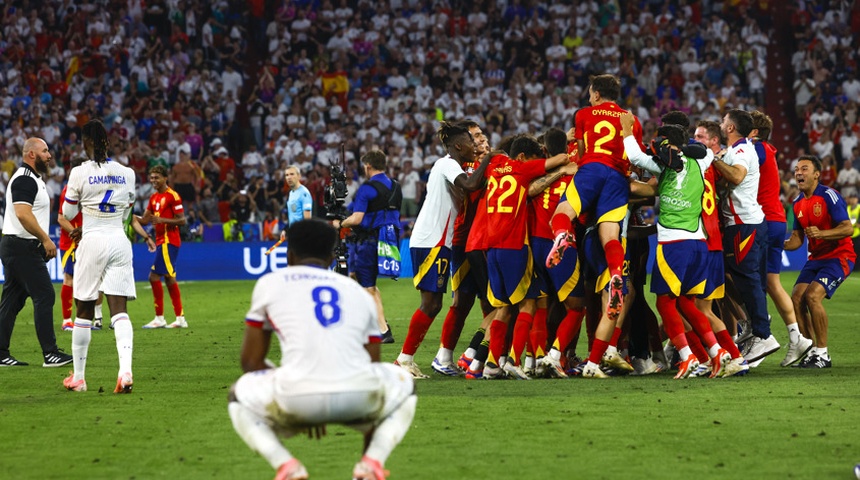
(103, 191)
(330, 370)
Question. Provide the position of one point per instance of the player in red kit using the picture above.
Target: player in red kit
(600, 186)
(821, 215)
(166, 213)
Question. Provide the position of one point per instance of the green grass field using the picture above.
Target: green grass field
(775, 423)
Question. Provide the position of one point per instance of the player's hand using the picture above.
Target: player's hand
(571, 134)
(50, 249)
(284, 235)
(76, 234)
(570, 169)
(336, 223)
(316, 432)
(627, 120)
(150, 245)
(812, 232)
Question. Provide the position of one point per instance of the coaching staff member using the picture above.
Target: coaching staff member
(24, 249)
(377, 205)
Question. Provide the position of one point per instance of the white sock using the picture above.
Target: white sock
(81, 336)
(821, 352)
(390, 432)
(470, 352)
(685, 353)
(124, 334)
(405, 358)
(258, 435)
(591, 364)
(555, 354)
(529, 362)
(159, 318)
(610, 350)
(476, 366)
(793, 333)
(445, 355)
(98, 311)
(715, 348)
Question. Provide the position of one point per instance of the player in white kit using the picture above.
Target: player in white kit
(103, 191)
(330, 370)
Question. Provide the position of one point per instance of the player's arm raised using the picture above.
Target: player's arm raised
(734, 174)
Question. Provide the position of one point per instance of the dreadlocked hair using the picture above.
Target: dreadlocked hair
(452, 133)
(94, 131)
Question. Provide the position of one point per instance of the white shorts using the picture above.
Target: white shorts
(291, 414)
(104, 264)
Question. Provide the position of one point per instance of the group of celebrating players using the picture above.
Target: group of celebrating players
(544, 235)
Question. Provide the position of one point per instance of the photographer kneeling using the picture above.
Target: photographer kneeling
(376, 206)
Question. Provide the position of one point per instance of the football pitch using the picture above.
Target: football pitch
(775, 423)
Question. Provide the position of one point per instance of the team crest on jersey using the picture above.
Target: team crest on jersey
(816, 209)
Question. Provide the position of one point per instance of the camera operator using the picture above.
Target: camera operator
(371, 211)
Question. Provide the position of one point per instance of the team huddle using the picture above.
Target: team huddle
(543, 234)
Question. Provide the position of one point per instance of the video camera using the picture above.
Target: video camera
(336, 191)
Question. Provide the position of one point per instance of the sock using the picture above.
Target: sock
(699, 322)
(821, 352)
(158, 297)
(477, 338)
(597, 351)
(616, 334)
(560, 223)
(453, 327)
(614, 256)
(725, 339)
(483, 351)
(668, 308)
(66, 300)
(257, 434)
(403, 357)
(391, 431)
(521, 335)
(538, 334)
(81, 336)
(697, 347)
(98, 311)
(567, 329)
(498, 330)
(469, 353)
(124, 334)
(175, 299)
(418, 327)
(685, 353)
(444, 355)
(793, 333)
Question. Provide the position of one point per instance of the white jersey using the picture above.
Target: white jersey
(740, 206)
(435, 223)
(322, 320)
(104, 193)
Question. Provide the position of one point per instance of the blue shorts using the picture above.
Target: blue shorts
(775, 242)
(362, 262)
(564, 278)
(715, 274)
(599, 188)
(510, 273)
(430, 268)
(829, 273)
(68, 262)
(594, 268)
(463, 274)
(165, 260)
(678, 268)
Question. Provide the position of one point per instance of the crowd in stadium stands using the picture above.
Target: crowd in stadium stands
(251, 87)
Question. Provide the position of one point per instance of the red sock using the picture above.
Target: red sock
(66, 300)
(614, 256)
(567, 329)
(698, 320)
(560, 223)
(597, 350)
(538, 333)
(668, 308)
(498, 331)
(418, 327)
(453, 327)
(175, 299)
(158, 297)
(521, 336)
(697, 347)
(616, 334)
(725, 339)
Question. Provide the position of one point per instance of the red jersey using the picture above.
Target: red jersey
(507, 194)
(824, 209)
(769, 183)
(542, 207)
(599, 129)
(166, 205)
(477, 240)
(66, 242)
(710, 212)
(466, 215)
